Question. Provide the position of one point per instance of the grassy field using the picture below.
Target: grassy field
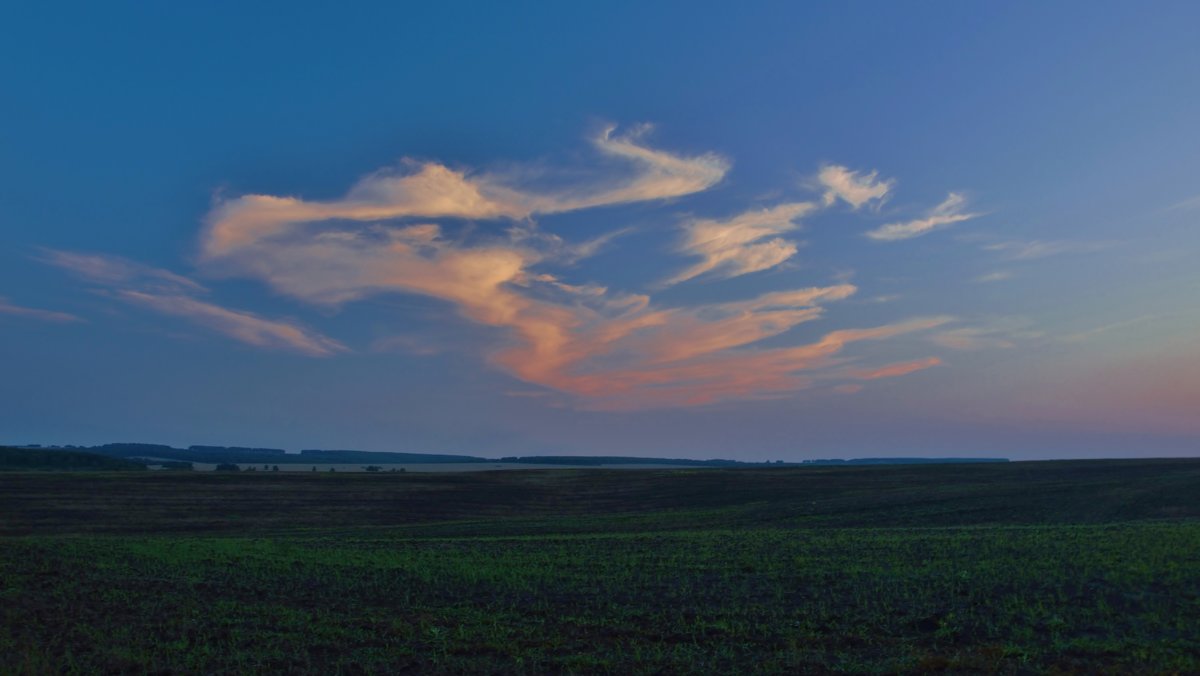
(1076, 567)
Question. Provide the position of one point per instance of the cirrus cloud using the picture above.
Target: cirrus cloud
(431, 190)
(167, 293)
(949, 212)
(469, 240)
(740, 245)
(7, 308)
(853, 189)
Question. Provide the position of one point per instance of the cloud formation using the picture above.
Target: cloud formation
(1183, 205)
(7, 308)
(895, 370)
(846, 185)
(740, 245)
(998, 276)
(242, 326)
(1017, 250)
(970, 338)
(611, 350)
(470, 240)
(991, 333)
(167, 293)
(431, 190)
(608, 349)
(949, 212)
(116, 271)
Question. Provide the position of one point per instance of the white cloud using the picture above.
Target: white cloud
(842, 183)
(949, 212)
(740, 245)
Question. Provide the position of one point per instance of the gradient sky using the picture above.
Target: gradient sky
(782, 231)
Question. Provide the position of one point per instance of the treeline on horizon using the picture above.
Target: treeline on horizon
(20, 459)
(274, 456)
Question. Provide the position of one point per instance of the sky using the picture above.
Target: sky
(776, 231)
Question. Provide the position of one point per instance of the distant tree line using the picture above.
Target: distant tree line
(18, 459)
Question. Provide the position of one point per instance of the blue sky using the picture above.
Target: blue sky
(775, 232)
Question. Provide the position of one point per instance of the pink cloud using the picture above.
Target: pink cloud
(608, 349)
(895, 370)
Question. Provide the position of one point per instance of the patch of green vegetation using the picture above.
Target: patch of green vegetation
(1083, 572)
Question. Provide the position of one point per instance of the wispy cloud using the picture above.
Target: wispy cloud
(431, 190)
(168, 293)
(742, 374)
(743, 244)
(7, 308)
(987, 334)
(998, 276)
(1184, 205)
(1082, 336)
(116, 271)
(853, 189)
(970, 338)
(242, 326)
(610, 350)
(949, 212)
(885, 298)
(426, 230)
(895, 370)
(1027, 250)
(409, 344)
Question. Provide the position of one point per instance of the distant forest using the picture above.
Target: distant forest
(23, 459)
(142, 453)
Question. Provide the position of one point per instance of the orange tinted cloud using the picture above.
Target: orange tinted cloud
(608, 349)
(898, 369)
(431, 190)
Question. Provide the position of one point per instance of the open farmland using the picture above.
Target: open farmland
(1078, 567)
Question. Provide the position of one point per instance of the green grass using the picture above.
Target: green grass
(1067, 567)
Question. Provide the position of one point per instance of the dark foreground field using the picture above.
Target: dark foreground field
(1080, 567)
